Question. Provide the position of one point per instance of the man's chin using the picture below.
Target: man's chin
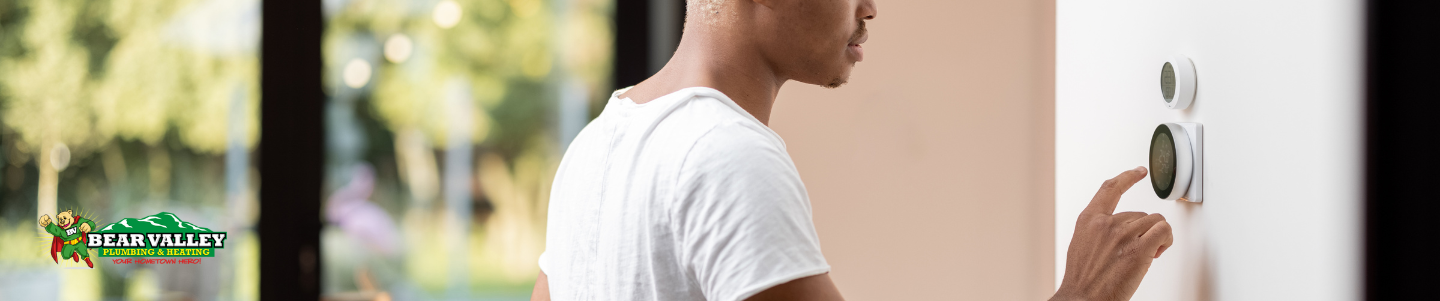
(837, 81)
(833, 79)
(842, 78)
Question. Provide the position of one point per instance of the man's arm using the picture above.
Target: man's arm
(1109, 255)
(542, 288)
(1111, 252)
(813, 288)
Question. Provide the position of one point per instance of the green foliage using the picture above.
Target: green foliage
(85, 73)
(518, 59)
(512, 53)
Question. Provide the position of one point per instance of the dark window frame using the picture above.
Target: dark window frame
(1401, 39)
(292, 149)
(291, 154)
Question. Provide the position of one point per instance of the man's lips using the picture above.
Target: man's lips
(857, 50)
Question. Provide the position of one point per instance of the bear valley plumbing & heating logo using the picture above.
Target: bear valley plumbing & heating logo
(159, 235)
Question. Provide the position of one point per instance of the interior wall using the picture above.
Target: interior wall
(931, 172)
(1280, 99)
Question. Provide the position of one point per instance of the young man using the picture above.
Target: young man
(679, 190)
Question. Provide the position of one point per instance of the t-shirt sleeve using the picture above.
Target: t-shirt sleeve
(743, 217)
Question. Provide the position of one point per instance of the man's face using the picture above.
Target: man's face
(817, 41)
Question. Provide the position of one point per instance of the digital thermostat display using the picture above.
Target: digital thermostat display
(1177, 82)
(1162, 161)
(1167, 82)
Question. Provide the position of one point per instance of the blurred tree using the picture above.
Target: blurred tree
(515, 63)
(81, 74)
(47, 85)
(108, 101)
(155, 77)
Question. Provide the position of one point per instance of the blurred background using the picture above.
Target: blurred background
(931, 173)
(445, 123)
(121, 109)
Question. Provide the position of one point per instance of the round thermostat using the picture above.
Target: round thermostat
(1177, 82)
(1175, 166)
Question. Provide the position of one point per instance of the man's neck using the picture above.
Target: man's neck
(708, 57)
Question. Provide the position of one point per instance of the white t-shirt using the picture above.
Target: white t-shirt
(685, 197)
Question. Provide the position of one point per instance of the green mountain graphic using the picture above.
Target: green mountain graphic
(163, 222)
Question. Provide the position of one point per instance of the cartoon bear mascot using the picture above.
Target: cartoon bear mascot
(69, 230)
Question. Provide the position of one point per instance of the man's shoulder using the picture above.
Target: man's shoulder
(693, 125)
(710, 121)
(706, 108)
(737, 149)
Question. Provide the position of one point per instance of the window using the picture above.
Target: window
(123, 109)
(445, 123)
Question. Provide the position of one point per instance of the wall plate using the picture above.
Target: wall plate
(1197, 180)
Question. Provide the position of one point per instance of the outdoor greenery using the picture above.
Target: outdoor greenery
(512, 64)
(124, 108)
(120, 109)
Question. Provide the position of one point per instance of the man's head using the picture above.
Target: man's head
(810, 41)
(65, 218)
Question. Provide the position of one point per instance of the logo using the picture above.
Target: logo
(158, 235)
(69, 230)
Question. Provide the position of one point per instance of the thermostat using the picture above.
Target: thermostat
(1175, 161)
(1177, 82)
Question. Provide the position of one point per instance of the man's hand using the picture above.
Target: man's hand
(44, 220)
(1110, 253)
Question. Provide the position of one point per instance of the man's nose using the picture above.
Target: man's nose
(866, 10)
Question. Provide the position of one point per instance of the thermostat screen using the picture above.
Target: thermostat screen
(1162, 160)
(1167, 82)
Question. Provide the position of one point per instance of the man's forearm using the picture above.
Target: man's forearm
(1066, 295)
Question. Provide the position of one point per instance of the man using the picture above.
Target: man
(679, 190)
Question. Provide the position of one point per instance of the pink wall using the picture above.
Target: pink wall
(932, 173)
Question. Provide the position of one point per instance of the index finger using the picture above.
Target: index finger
(1109, 194)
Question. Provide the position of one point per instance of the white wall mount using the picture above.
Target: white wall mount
(1177, 82)
(1176, 165)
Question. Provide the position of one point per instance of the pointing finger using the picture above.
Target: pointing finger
(1109, 194)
